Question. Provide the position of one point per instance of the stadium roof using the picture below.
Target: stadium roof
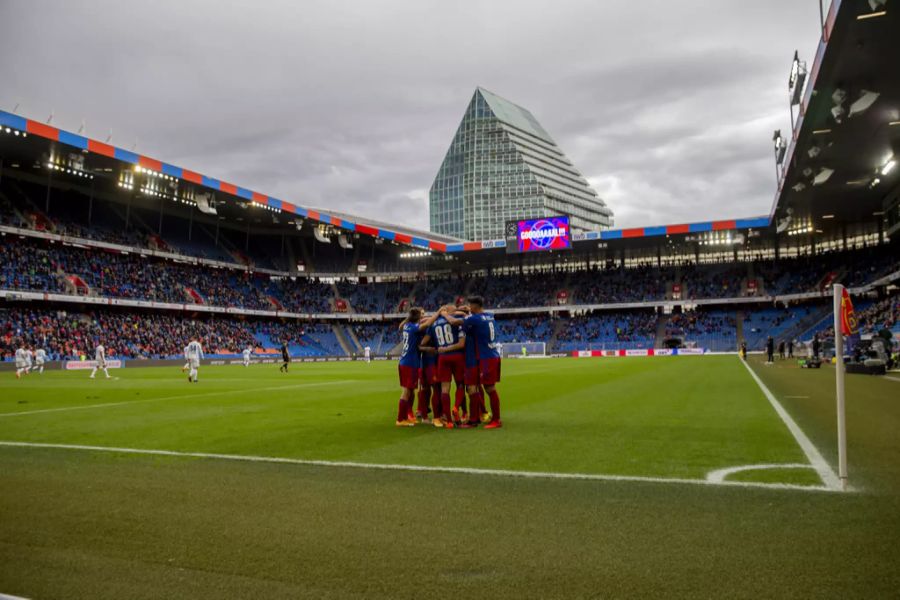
(351, 223)
(834, 166)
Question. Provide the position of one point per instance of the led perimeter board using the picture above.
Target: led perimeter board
(537, 235)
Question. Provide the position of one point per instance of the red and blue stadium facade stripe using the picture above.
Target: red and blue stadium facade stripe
(83, 143)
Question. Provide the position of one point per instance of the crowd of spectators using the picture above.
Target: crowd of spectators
(603, 330)
(719, 281)
(41, 265)
(67, 334)
(72, 335)
(525, 329)
(379, 337)
(696, 323)
(609, 286)
(884, 314)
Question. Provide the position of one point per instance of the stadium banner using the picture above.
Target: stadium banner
(77, 365)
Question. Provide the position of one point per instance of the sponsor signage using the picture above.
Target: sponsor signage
(76, 365)
(637, 352)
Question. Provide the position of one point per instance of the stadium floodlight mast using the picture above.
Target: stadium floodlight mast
(780, 150)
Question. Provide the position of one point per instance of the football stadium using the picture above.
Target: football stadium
(208, 391)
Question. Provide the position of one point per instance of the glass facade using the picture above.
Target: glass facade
(502, 165)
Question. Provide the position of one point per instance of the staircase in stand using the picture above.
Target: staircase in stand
(342, 339)
(354, 341)
(661, 324)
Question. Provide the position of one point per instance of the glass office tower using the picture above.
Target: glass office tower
(502, 165)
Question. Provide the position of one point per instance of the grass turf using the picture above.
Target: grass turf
(608, 417)
(81, 524)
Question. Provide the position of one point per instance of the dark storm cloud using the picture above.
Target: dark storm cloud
(666, 107)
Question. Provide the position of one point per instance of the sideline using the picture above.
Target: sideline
(423, 468)
(826, 473)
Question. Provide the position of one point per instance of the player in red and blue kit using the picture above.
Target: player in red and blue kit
(449, 340)
(482, 326)
(482, 361)
(429, 386)
(411, 329)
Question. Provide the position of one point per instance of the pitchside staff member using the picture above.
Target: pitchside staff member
(770, 349)
(285, 358)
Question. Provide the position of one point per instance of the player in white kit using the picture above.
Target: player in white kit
(367, 352)
(100, 359)
(29, 359)
(21, 363)
(247, 352)
(40, 357)
(195, 353)
(187, 361)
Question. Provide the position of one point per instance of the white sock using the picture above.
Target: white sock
(41, 369)
(107, 372)
(94, 371)
(193, 374)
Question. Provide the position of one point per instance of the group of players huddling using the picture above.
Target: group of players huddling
(453, 345)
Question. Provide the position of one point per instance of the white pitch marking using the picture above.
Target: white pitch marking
(423, 468)
(719, 475)
(11, 597)
(892, 378)
(203, 395)
(818, 462)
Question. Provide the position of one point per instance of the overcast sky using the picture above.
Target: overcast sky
(667, 106)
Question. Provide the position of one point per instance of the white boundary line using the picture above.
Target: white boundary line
(719, 475)
(892, 378)
(826, 473)
(185, 396)
(423, 468)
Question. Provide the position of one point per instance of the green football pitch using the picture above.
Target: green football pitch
(625, 477)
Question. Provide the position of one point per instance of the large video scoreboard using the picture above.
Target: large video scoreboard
(538, 235)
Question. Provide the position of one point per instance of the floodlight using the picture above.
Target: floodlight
(822, 176)
(888, 166)
(865, 100)
(838, 113)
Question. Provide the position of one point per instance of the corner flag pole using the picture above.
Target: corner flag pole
(839, 377)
